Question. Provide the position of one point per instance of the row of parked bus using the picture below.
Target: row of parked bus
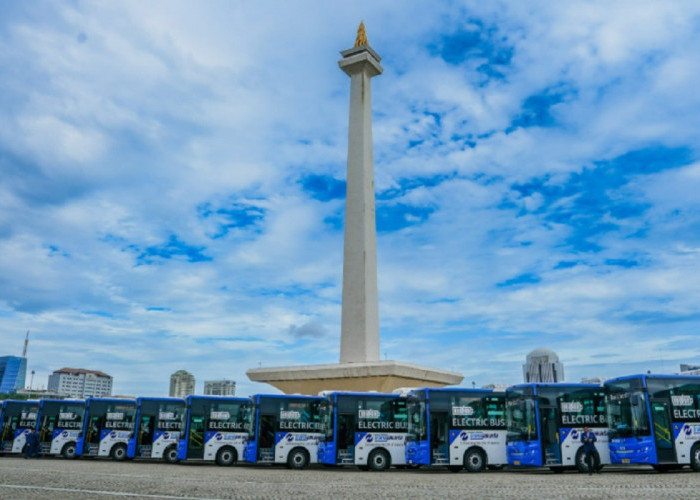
(641, 419)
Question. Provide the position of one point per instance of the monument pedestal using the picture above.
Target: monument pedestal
(380, 376)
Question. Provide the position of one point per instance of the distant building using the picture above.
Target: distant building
(690, 369)
(181, 384)
(13, 373)
(219, 388)
(594, 380)
(497, 386)
(542, 365)
(80, 383)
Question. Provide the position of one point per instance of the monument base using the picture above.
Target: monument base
(380, 376)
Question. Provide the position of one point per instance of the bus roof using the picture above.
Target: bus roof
(358, 394)
(51, 400)
(193, 397)
(554, 385)
(257, 397)
(110, 400)
(646, 376)
(164, 399)
(451, 389)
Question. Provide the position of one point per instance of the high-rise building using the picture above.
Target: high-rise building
(542, 365)
(219, 388)
(181, 384)
(80, 383)
(13, 373)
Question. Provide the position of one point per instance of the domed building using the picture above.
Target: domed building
(543, 365)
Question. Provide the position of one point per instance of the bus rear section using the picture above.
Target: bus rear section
(456, 428)
(363, 429)
(19, 418)
(654, 420)
(284, 429)
(545, 423)
(215, 429)
(159, 423)
(108, 425)
(60, 423)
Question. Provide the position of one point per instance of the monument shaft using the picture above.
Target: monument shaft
(359, 336)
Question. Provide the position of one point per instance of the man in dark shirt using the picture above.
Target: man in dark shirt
(588, 439)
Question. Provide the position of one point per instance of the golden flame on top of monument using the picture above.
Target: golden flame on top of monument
(361, 35)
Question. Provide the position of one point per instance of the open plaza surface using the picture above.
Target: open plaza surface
(83, 479)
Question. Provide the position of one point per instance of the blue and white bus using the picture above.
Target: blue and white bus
(18, 420)
(654, 420)
(215, 429)
(284, 429)
(545, 422)
(60, 423)
(159, 423)
(456, 428)
(366, 429)
(107, 427)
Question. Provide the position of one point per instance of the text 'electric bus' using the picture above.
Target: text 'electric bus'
(18, 419)
(363, 429)
(545, 422)
(159, 422)
(284, 429)
(457, 428)
(215, 429)
(654, 420)
(108, 426)
(60, 423)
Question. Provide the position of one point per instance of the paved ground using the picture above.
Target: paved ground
(104, 479)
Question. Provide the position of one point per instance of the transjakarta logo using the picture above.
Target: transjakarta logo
(219, 436)
(466, 411)
(682, 400)
(219, 415)
(69, 415)
(166, 415)
(113, 435)
(574, 407)
(115, 416)
(289, 415)
(367, 414)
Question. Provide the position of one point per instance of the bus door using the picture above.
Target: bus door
(195, 439)
(347, 423)
(145, 437)
(439, 437)
(48, 424)
(551, 446)
(92, 435)
(663, 436)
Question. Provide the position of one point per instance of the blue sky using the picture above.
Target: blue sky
(172, 185)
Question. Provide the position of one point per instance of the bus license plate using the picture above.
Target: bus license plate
(516, 462)
(625, 460)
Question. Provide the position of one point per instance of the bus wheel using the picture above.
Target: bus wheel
(298, 459)
(474, 460)
(454, 468)
(170, 455)
(119, 452)
(68, 451)
(695, 457)
(581, 464)
(226, 456)
(378, 460)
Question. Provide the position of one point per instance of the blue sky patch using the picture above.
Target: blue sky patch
(399, 216)
(323, 187)
(173, 248)
(523, 279)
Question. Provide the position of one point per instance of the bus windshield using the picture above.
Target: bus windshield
(520, 419)
(627, 410)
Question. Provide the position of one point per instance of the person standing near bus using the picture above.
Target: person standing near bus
(588, 439)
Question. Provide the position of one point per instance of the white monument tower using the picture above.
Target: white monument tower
(359, 332)
(360, 368)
